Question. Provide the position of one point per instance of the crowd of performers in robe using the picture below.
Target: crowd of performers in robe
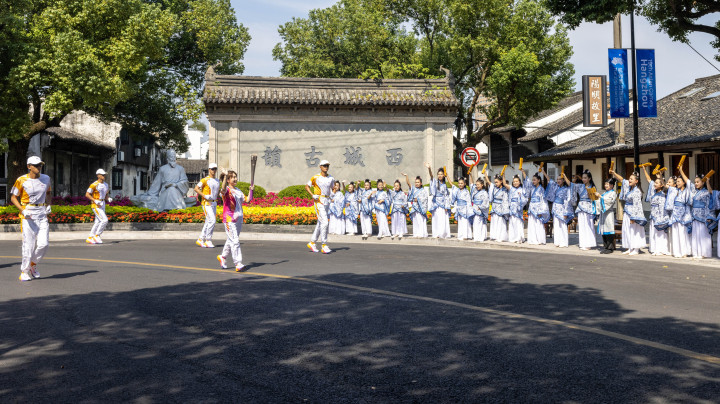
(683, 212)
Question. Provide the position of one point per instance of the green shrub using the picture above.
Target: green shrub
(259, 192)
(80, 209)
(294, 191)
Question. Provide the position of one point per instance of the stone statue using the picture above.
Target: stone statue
(168, 189)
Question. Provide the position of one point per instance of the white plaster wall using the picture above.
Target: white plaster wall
(91, 127)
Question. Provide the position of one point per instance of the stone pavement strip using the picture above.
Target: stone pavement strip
(252, 232)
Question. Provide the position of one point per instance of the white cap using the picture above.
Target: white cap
(212, 165)
(324, 162)
(100, 171)
(34, 160)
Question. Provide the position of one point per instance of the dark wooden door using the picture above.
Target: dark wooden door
(706, 162)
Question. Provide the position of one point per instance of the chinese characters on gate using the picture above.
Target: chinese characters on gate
(353, 156)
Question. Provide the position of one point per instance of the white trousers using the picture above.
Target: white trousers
(440, 223)
(701, 241)
(536, 231)
(350, 225)
(35, 240)
(498, 228)
(680, 240)
(337, 225)
(658, 240)
(366, 224)
(232, 244)
(399, 224)
(101, 221)
(560, 233)
(383, 227)
(586, 232)
(464, 228)
(516, 232)
(479, 228)
(633, 235)
(321, 228)
(419, 225)
(210, 220)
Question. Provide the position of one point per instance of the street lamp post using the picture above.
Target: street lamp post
(636, 140)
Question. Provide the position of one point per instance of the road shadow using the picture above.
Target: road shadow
(69, 275)
(254, 339)
(11, 264)
(254, 265)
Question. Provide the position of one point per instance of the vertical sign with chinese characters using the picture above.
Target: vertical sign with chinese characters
(647, 102)
(619, 87)
(594, 101)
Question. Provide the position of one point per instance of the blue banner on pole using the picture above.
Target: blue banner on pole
(647, 102)
(618, 82)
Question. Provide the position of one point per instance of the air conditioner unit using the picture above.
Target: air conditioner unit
(121, 156)
(138, 152)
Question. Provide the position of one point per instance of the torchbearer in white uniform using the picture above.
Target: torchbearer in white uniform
(98, 194)
(319, 187)
(31, 195)
(208, 188)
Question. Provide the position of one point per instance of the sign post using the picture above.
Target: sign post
(470, 156)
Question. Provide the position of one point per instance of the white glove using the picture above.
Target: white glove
(316, 197)
(47, 210)
(109, 199)
(97, 201)
(207, 197)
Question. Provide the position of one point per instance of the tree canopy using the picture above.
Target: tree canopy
(140, 63)
(676, 18)
(511, 52)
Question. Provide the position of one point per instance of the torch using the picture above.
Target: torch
(253, 163)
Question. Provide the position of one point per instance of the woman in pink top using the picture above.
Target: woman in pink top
(232, 218)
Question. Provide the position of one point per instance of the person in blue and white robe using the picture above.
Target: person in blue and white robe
(700, 196)
(352, 209)
(558, 192)
(585, 212)
(480, 205)
(418, 207)
(680, 217)
(538, 211)
(399, 211)
(367, 205)
(382, 208)
(659, 218)
(499, 209)
(337, 205)
(605, 206)
(633, 227)
(439, 204)
(461, 200)
(518, 200)
(714, 209)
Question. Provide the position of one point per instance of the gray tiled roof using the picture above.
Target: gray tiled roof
(313, 91)
(66, 134)
(193, 166)
(680, 121)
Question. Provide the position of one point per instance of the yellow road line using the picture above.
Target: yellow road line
(638, 341)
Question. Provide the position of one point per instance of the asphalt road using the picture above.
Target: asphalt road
(156, 321)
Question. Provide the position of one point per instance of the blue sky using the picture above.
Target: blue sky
(677, 64)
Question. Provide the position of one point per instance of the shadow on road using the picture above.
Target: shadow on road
(254, 339)
(69, 275)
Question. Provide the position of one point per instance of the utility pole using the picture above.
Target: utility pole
(617, 43)
(636, 140)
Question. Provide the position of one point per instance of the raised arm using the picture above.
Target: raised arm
(616, 175)
(687, 180)
(429, 170)
(223, 186)
(407, 179)
(647, 176)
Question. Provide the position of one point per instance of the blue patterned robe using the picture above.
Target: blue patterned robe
(337, 203)
(418, 200)
(700, 205)
(585, 204)
(381, 202)
(500, 201)
(633, 203)
(399, 201)
(658, 214)
(352, 205)
(367, 202)
(439, 195)
(480, 202)
(677, 204)
(517, 200)
(462, 201)
(538, 206)
(562, 201)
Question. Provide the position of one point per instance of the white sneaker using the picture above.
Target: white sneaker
(634, 252)
(33, 270)
(209, 244)
(626, 252)
(312, 247)
(98, 240)
(220, 258)
(90, 240)
(326, 249)
(239, 268)
(25, 277)
(199, 243)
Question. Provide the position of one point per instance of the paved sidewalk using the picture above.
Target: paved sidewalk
(301, 234)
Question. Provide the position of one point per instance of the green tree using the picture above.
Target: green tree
(140, 63)
(511, 52)
(676, 18)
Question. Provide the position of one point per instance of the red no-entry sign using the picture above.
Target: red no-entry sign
(470, 156)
